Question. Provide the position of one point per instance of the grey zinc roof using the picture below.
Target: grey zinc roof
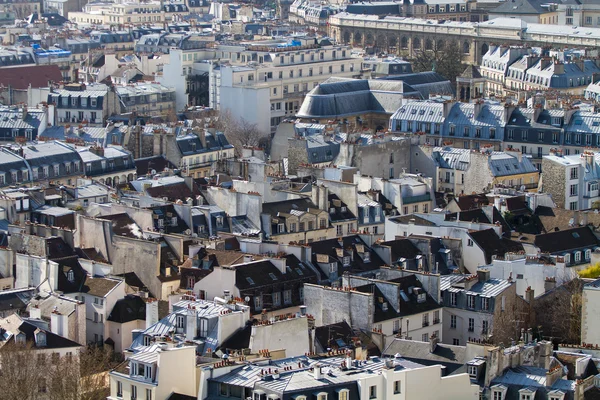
(421, 111)
(502, 164)
(10, 117)
(489, 288)
(339, 97)
(584, 122)
(452, 158)
(464, 114)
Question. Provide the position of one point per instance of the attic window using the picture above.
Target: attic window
(346, 261)
(250, 281)
(344, 209)
(272, 275)
(71, 276)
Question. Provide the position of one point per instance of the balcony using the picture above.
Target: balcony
(436, 321)
(425, 323)
(416, 199)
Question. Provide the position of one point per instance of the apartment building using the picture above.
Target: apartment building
(123, 12)
(83, 104)
(266, 82)
(151, 99)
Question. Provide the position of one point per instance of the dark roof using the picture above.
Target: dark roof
(261, 273)
(53, 341)
(348, 243)
(144, 166)
(520, 7)
(177, 396)
(379, 314)
(239, 340)
(475, 215)
(552, 218)
(288, 205)
(405, 219)
(472, 201)
(67, 265)
(131, 279)
(494, 245)
(11, 301)
(472, 72)
(174, 192)
(123, 225)
(570, 239)
(35, 75)
(341, 213)
(402, 248)
(412, 306)
(58, 248)
(99, 287)
(337, 335)
(517, 203)
(129, 308)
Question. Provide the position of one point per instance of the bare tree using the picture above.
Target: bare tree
(239, 131)
(558, 312)
(21, 373)
(445, 60)
(29, 374)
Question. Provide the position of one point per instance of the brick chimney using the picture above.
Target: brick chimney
(433, 342)
(549, 284)
(483, 275)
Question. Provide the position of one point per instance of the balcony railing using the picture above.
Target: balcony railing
(436, 321)
(425, 323)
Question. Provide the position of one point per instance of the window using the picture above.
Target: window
(577, 256)
(133, 392)
(373, 392)
(453, 298)
(471, 301)
(471, 324)
(339, 230)
(573, 190)
(277, 299)
(472, 369)
(573, 205)
(470, 242)
(343, 395)
(453, 321)
(119, 389)
(287, 296)
(148, 394)
(484, 327)
(456, 342)
(574, 173)
(485, 303)
(257, 302)
(426, 319)
(397, 387)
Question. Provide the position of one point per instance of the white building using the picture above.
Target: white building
(590, 309)
(100, 296)
(265, 82)
(532, 271)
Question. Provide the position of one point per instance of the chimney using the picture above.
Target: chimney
(483, 275)
(318, 372)
(23, 112)
(303, 311)
(515, 153)
(433, 341)
(35, 312)
(529, 295)
(584, 218)
(580, 64)
(97, 150)
(559, 68)
(545, 62)
(151, 312)
(201, 133)
(226, 295)
(549, 284)
(447, 108)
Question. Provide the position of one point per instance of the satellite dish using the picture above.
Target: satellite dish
(247, 299)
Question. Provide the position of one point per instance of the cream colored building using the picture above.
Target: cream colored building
(590, 309)
(127, 12)
(266, 82)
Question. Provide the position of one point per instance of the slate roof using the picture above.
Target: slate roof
(337, 335)
(451, 357)
(173, 192)
(339, 214)
(343, 97)
(410, 305)
(123, 225)
(566, 240)
(493, 245)
(402, 248)
(158, 163)
(264, 273)
(53, 341)
(287, 205)
(472, 72)
(519, 7)
(129, 308)
(357, 265)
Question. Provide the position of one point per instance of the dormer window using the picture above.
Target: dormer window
(21, 339)
(344, 209)
(40, 339)
(346, 261)
(366, 256)
(219, 221)
(472, 369)
(180, 323)
(71, 276)
(281, 228)
(332, 210)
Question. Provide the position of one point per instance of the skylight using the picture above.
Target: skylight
(250, 281)
(272, 275)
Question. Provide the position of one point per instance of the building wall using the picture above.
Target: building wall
(249, 103)
(290, 335)
(173, 76)
(330, 306)
(386, 160)
(555, 182)
(590, 309)
(461, 332)
(121, 333)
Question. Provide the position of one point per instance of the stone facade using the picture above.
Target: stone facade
(554, 181)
